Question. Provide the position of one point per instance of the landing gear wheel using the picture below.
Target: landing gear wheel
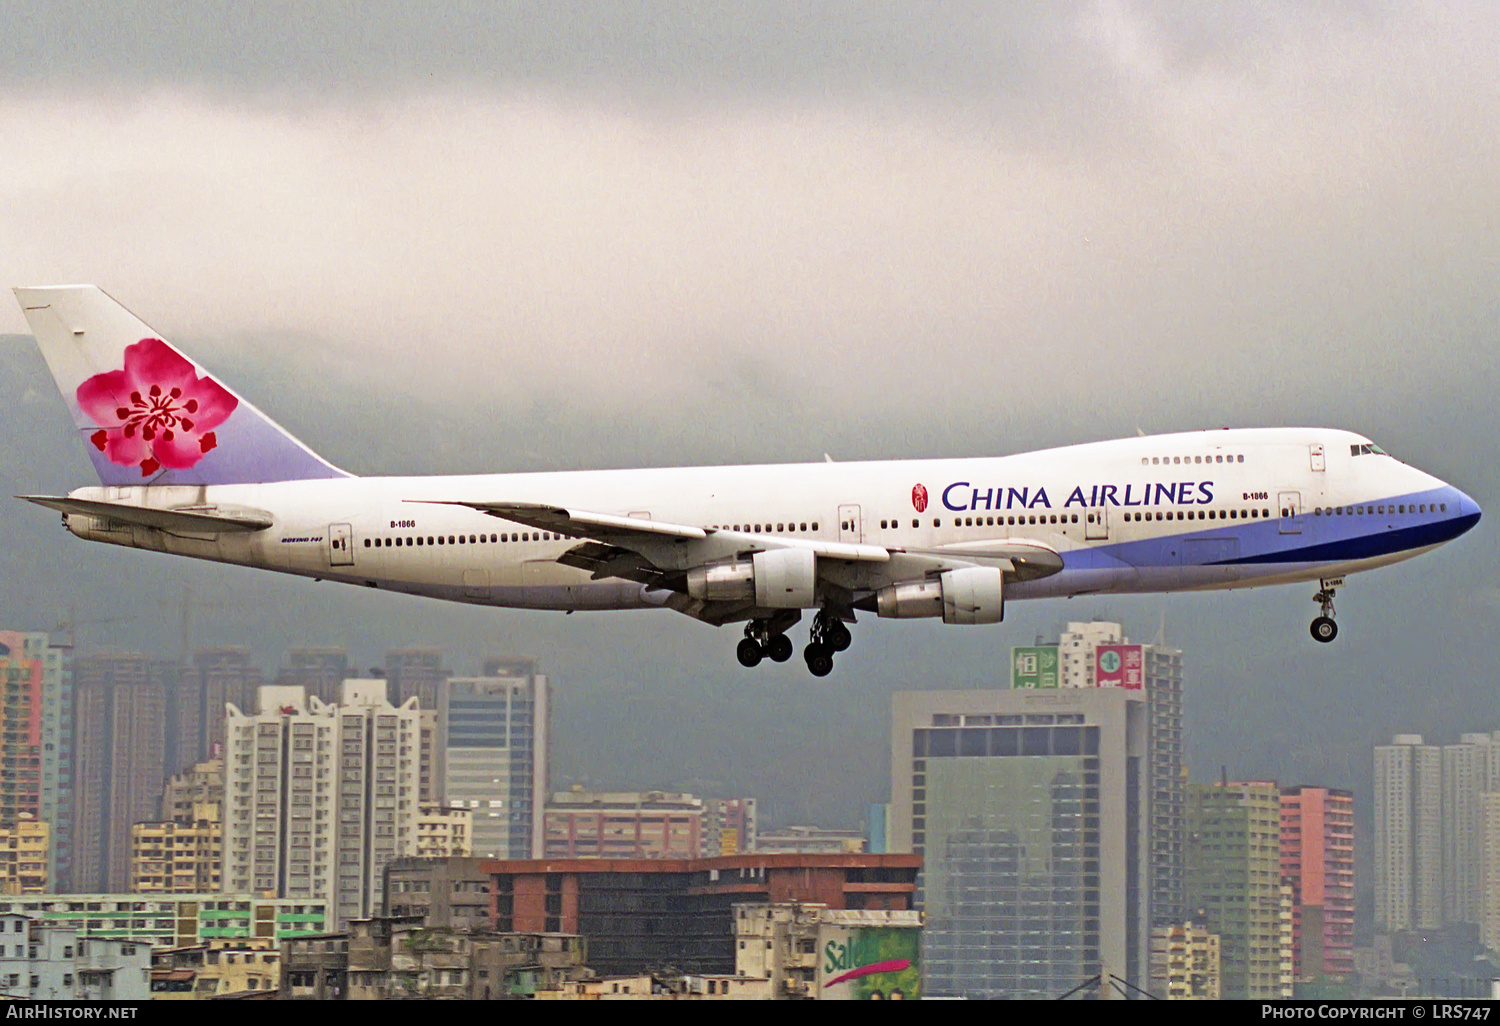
(749, 652)
(779, 648)
(1323, 628)
(819, 660)
(838, 636)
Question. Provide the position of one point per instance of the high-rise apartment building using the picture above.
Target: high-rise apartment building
(1317, 860)
(36, 738)
(1185, 963)
(416, 673)
(1234, 884)
(120, 705)
(320, 672)
(203, 783)
(1408, 835)
(217, 678)
(23, 856)
(319, 798)
(178, 856)
(1467, 769)
(495, 735)
(1489, 870)
(1030, 810)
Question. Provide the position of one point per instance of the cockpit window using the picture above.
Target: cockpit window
(1367, 449)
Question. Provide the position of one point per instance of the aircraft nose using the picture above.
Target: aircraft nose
(1467, 515)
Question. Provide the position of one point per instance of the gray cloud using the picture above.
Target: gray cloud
(570, 236)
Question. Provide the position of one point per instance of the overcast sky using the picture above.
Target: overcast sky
(572, 235)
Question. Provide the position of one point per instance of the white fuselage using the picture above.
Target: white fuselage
(1219, 509)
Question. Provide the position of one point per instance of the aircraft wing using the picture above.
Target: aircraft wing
(183, 520)
(634, 533)
(659, 553)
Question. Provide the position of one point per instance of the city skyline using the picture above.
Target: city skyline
(1176, 219)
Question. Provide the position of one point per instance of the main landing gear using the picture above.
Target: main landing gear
(1323, 628)
(828, 636)
(766, 638)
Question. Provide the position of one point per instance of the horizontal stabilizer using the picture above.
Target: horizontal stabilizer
(188, 520)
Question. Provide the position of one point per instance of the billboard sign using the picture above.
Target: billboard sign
(869, 963)
(1120, 666)
(1034, 666)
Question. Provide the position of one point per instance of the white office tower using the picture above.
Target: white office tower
(1408, 835)
(1030, 812)
(495, 757)
(318, 798)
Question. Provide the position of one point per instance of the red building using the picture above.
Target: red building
(641, 914)
(1317, 857)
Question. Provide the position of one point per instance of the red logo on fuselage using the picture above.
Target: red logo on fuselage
(919, 498)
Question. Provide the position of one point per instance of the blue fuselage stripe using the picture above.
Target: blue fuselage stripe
(1317, 538)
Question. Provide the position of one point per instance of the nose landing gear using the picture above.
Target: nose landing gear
(1324, 628)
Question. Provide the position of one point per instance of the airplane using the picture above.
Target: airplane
(188, 467)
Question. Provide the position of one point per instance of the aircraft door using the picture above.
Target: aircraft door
(850, 529)
(1290, 505)
(1096, 524)
(340, 545)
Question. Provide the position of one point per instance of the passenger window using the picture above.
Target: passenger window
(915, 522)
(937, 521)
(781, 528)
(804, 526)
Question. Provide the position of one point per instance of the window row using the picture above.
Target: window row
(767, 527)
(1156, 460)
(1420, 507)
(1212, 514)
(458, 539)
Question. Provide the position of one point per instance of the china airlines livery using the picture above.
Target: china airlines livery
(190, 468)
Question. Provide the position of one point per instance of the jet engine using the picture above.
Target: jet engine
(778, 579)
(971, 595)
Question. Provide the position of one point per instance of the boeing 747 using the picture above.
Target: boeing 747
(188, 467)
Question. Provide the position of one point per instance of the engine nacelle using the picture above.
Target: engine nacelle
(778, 579)
(722, 582)
(972, 595)
(785, 578)
(975, 594)
(902, 601)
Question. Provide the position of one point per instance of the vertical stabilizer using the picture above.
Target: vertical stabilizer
(147, 413)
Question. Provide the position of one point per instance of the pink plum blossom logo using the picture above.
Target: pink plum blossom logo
(156, 412)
